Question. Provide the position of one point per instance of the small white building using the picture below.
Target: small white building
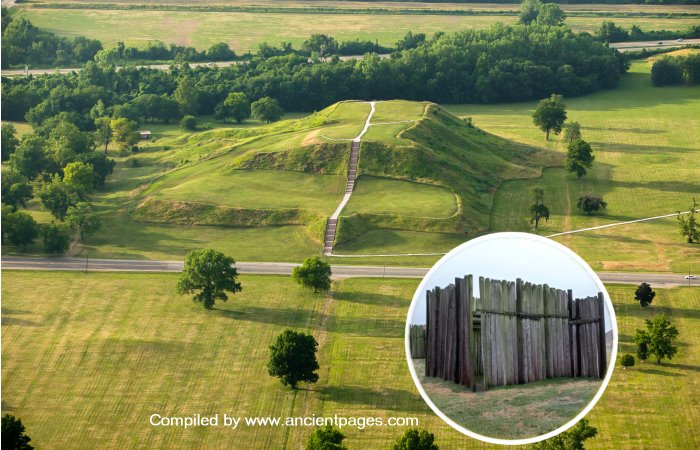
(145, 134)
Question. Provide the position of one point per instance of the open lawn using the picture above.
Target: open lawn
(245, 31)
(387, 196)
(645, 142)
(87, 359)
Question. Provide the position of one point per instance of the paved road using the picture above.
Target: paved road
(632, 46)
(21, 72)
(275, 268)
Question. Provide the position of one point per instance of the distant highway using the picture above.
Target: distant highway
(650, 45)
(277, 268)
(21, 72)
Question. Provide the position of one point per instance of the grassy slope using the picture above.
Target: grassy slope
(110, 348)
(246, 31)
(431, 145)
(645, 142)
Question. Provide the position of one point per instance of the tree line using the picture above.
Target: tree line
(504, 63)
(610, 32)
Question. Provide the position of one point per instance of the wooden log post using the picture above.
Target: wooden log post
(602, 343)
(572, 332)
(519, 331)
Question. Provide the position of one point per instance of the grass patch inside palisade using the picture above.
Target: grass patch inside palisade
(510, 412)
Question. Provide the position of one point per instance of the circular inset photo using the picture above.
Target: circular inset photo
(510, 338)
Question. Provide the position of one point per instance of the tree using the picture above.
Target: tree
(210, 274)
(125, 134)
(529, 9)
(65, 142)
(20, 228)
(29, 158)
(189, 123)
(550, 14)
(80, 177)
(689, 225)
(101, 166)
(293, 358)
(187, 96)
(572, 131)
(267, 109)
(572, 439)
(15, 189)
(326, 438)
(103, 131)
(644, 294)
(313, 273)
(590, 203)
(13, 436)
(8, 140)
(627, 361)
(415, 439)
(410, 40)
(643, 351)
(538, 210)
(666, 71)
(83, 217)
(321, 44)
(56, 196)
(579, 157)
(550, 115)
(236, 106)
(56, 240)
(220, 52)
(659, 337)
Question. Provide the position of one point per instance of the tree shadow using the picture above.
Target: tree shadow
(666, 186)
(8, 320)
(627, 130)
(369, 298)
(655, 371)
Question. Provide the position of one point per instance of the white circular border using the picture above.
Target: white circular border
(609, 308)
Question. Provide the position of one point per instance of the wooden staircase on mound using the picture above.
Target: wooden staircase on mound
(332, 223)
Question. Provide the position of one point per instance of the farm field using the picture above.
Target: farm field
(245, 31)
(110, 349)
(645, 142)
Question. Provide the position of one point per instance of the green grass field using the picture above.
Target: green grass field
(253, 188)
(245, 31)
(387, 196)
(645, 142)
(87, 359)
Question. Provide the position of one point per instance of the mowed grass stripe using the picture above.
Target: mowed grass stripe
(121, 355)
